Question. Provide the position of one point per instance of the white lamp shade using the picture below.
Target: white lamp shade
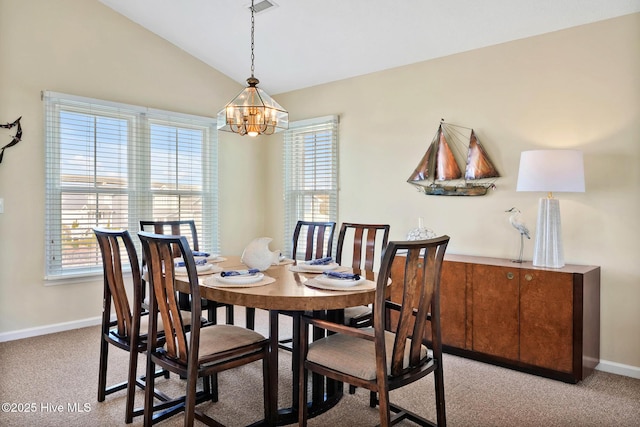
(551, 171)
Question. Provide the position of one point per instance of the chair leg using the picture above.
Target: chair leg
(212, 313)
(439, 385)
(269, 396)
(214, 387)
(251, 318)
(206, 386)
(102, 370)
(131, 382)
(384, 407)
(148, 391)
(230, 315)
(190, 402)
(303, 345)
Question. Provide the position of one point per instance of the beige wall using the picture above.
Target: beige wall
(576, 88)
(84, 48)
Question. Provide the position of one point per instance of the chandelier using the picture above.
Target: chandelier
(253, 112)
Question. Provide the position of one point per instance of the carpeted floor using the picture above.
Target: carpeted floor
(52, 381)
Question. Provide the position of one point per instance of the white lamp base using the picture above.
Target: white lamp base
(548, 248)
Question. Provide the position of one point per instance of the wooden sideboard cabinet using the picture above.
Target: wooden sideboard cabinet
(537, 320)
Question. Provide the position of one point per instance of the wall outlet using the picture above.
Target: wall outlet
(1, 205)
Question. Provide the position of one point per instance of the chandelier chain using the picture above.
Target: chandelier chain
(253, 112)
(252, 30)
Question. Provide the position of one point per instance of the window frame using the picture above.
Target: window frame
(138, 188)
(293, 161)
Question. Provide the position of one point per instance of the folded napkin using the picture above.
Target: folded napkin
(320, 261)
(339, 275)
(198, 253)
(198, 262)
(239, 272)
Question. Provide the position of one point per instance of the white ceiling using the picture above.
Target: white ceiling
(302, 43)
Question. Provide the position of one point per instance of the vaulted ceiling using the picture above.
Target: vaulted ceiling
(302, 43)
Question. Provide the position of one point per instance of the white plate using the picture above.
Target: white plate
(308, 268)
(242, 279)
(342, 283)
(214, 283)
(200, 269)
(364, 285)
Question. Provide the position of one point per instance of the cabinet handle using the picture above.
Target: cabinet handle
(528, 277)
(509, 275)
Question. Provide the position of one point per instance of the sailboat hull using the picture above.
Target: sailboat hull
(468, 190)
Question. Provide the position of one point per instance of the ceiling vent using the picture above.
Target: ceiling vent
(262, 6)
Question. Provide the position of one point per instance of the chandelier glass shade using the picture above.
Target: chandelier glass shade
(253, 112)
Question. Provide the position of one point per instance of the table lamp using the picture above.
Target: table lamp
(550, 171)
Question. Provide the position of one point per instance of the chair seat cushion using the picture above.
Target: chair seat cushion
(218, 338)
(354, 356)
(353, 312)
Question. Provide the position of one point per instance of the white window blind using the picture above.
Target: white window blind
(310, 173)
(111, 165)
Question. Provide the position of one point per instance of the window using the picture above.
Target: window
(111, 165)
(310, 173)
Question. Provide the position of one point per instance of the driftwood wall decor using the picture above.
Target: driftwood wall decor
(15, 139)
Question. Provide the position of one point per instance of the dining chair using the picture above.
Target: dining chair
(187, 228)
(125, 331)
(386, 356)
(368, 244)
(202, 352)
(373, 238)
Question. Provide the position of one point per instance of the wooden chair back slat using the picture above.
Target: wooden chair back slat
(319, 239)
(365, 237)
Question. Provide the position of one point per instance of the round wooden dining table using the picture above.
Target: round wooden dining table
(288, 293)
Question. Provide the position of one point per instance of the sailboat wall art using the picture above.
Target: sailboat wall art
(454, 149)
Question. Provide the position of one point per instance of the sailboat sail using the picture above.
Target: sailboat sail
(446, 165)
(478, 164)
(439, 173)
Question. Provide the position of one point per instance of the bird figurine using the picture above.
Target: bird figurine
(516, 222)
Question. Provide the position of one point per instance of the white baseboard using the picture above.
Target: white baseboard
(49, 329)
(619, 369)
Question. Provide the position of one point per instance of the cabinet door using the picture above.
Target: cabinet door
(453, 297)
(495, 311)
(546, 319)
